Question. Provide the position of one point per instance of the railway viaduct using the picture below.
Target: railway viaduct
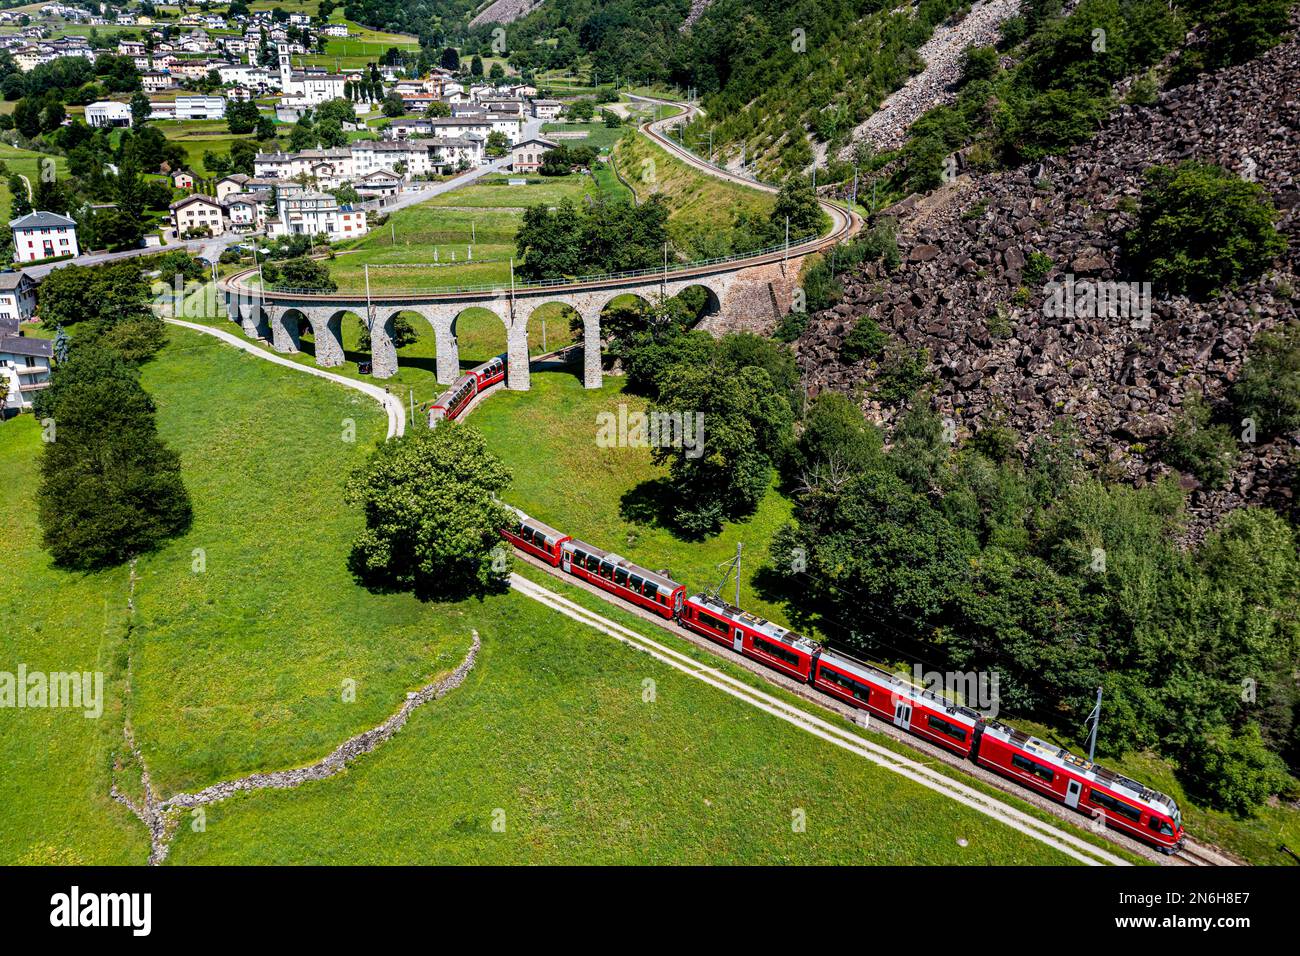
(751, 294)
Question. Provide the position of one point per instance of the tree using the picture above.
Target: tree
(1202, 228)
(498, 144)
(299, 273)
(450, 59)
(476, 66)
(796, 203)
(403, 334)
(21, 204)
(110, 489)
(242, 117)
(393, 105)
(497, 72)
(1200, 447)
(433, 520)
(738, 425)
(140, 109)
(1268, 390)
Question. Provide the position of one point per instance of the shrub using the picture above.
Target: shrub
(1201, 228)
(1268, 390)
(866, 340)
(1199, 447)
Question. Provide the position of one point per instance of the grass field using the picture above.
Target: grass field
(698, 204)
(479, 219)
(24, 162)
(239, 667)
(619, 487)
(199, 137)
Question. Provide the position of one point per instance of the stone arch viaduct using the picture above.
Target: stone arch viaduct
(749, 292)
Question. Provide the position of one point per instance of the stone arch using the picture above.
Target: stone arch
(712, 301)
(589, 340)
(383, 353)
(516, 336)
(284, 322)
(327, 335)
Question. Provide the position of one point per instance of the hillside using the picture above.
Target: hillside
(976, 268)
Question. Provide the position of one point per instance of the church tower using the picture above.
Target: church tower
(286, 69)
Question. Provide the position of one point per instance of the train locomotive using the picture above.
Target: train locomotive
(1051, 771)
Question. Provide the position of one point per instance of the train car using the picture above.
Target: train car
(751, 635)
(648, 589)
(490, 372)
(533, 537)
(453, 401)
(894, 699)
(1125, 804)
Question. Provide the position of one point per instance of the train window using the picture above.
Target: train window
(580, 558)
(636, 583)
(620, 576)
(1034, 767)
(944, 727)
(1160, 826)
(859, 691)
(777, 651)
(1115, 806)
(651, 589)
(710, 621)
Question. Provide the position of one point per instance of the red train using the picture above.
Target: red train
(448, 405)
(1051, 771)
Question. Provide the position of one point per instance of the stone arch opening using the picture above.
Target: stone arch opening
(700, 301)
(286, 325)
(480, 334)
(555, 337)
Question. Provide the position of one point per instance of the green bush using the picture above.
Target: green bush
(1201, 228)
(1268, 390)
(865, 340)
(1200, 447)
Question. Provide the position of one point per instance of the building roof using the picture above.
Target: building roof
(21, 345)
(40, 220)
(10, 280)
(197, 197)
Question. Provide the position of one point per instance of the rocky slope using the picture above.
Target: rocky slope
(963, 293)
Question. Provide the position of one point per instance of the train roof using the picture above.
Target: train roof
(756, 623)
(901, 684)
(1062, 758)
(654, 577)
(536, 525)
(452, 390)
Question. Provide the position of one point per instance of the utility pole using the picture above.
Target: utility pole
(370, 313)
(854, 201)
(739, 546)
(787, 239)
(512, 291)
(1095, 718)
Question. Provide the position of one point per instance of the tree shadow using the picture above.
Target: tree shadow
(648, 503)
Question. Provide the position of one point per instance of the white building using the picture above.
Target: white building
(307, 88)
(303, 212)
(108, 113)
(17, 298)
(24, 366)
(198, 214)
(43, 235)
(200, 107)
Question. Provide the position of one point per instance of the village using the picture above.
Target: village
(405, 131)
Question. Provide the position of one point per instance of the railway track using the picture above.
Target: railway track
(1193, 854)
(1067, 843)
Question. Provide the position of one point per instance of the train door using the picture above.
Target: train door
(567, 560)
(738, 640)
(903, 715)
(1072, 790)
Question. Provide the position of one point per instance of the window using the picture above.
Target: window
(1115, 806)
(1034, 767)
(780, 652)
(858, 690)
(1160, 826)
(708, 620)
(944, 727)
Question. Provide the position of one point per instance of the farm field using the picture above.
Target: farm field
(198, 137)
(479, 219)
(24, 162)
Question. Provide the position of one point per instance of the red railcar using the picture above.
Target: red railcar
(490, 372)
(453, 401)
(648, 589)
(533, 537)
(1078, 783)
(893, 698)
(751, 635)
